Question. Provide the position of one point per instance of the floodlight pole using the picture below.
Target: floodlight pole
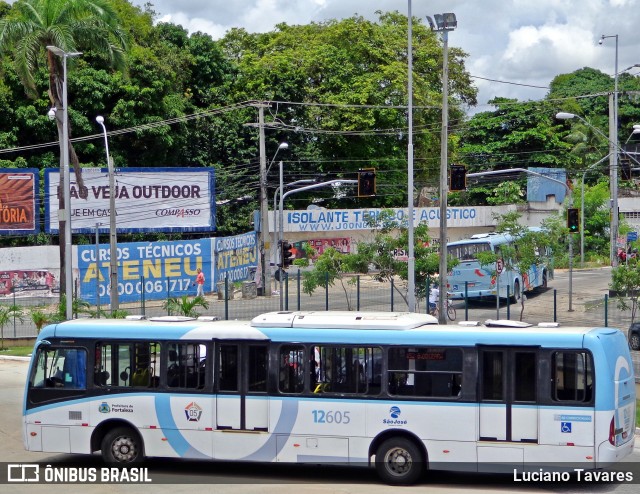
(443, 23)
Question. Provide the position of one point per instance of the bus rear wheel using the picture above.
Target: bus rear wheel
(399, 461)
(121, 445)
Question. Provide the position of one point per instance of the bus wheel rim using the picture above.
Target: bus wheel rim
(124, 449)
(398, 461)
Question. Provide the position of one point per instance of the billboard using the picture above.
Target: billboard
(18, 207)
(146, 200)
(29, 283)
(155, 270)
(236, 258)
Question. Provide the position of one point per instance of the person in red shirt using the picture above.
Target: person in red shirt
(200, 283)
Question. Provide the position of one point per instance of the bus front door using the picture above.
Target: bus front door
(508, 409)
(242, 405)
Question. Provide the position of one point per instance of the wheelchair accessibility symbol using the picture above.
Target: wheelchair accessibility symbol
(565, 427)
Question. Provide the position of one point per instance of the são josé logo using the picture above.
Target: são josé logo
(394, 413)
(193, 412)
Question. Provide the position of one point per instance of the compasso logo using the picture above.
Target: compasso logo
(179, 212)
(395, 412)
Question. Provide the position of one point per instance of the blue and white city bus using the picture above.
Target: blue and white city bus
(394, 390)
(479, 280)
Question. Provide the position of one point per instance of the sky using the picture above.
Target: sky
(523, 43)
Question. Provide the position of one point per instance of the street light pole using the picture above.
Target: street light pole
(64, 215)
(113, 240)
(613, 160)
(275, 207)
(614, 150)
(295, 191)
(443, 23)
(280, 229)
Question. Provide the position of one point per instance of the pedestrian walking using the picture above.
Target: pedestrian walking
(199, 283)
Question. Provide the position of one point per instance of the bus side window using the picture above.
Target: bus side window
(291, 370)
(144, 364)
(572, 378)
(186, 365)
(228, 367)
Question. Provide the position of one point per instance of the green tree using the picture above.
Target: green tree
(7, 314)
(331, 266)
(596, 218)
(348, 79)
(625, 281)
(39, 317)
(70, 25)
(382, 256)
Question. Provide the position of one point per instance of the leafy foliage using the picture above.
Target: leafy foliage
(381, 257)
(7, 314)
(185, 306)
(625, 281)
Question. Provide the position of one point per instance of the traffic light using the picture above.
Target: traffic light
(367, 182)
(458, 179)
(573, 220)
(286, 256)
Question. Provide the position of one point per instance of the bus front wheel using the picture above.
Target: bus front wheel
(122, 445)
(399, 461)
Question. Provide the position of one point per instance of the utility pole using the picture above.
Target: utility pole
(265, 257)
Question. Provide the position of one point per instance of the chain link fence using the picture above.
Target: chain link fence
(361, 293)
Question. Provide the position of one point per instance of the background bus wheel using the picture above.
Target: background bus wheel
(121, 445)
(399, 461)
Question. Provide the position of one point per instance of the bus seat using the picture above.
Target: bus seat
(140, 377)
(101, 378)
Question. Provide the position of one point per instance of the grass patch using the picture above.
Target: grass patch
(17, 351)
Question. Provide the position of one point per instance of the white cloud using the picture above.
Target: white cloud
(521, 41)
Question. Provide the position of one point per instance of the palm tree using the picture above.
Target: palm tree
(185, 306)
(71, 25)
(8, 312)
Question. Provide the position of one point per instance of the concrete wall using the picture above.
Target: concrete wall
(304, 225)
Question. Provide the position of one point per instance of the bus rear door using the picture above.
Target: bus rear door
(242, 404)
(508, 409)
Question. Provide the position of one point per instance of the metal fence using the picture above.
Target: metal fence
(362, 293)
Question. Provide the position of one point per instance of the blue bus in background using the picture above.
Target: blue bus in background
(481, 279)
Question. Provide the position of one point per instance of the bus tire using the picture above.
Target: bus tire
(122, 445)
(399, 461)
(516, 292)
